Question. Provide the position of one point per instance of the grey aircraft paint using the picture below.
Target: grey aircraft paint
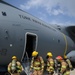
(22, 33)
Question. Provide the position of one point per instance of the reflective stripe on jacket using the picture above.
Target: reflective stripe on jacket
(67, 73)
(50, 65)
(37, 63)
(18, 67)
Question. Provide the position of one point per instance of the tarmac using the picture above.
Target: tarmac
(71, 73)
(45, 73)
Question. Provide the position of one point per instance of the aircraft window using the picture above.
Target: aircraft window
(4, 13)
(59, 28)
(58, 41)
(6, 37)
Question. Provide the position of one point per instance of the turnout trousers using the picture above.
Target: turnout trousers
(37, 72)
(15, 74)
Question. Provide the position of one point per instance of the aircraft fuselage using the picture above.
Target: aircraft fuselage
(20, 32)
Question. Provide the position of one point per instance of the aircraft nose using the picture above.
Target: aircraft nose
(71, 55)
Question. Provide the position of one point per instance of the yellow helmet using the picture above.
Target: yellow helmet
(14, 57)
(65, 56)
(34, 53)
(49, 54)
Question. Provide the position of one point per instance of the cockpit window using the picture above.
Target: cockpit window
(4, 13)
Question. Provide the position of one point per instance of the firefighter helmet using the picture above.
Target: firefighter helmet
(59, 58)
(49, 54)
(14, 57)
(34, 53)
(65, 56)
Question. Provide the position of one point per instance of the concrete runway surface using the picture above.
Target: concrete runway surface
(45, 73)
(71, 73)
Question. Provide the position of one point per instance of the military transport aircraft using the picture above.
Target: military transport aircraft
(22, 33)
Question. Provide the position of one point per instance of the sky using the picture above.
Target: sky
(60, 12)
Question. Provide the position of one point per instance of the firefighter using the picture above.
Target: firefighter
(57, 65)
(59, 58)
(14, 67)
(64, 65)
(70, 67)
(50, 64)
(37, 64)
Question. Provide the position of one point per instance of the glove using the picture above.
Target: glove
(41, 70)
(31, 70)
(72, 69)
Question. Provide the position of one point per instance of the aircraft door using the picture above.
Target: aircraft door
(30, 45)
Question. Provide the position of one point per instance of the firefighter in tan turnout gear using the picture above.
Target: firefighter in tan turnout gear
(14, 67)
(64, 66)
(50, 63)
(57, 64)
(69, 66)
(37, 64)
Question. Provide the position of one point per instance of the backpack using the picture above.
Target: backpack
(13, 66)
